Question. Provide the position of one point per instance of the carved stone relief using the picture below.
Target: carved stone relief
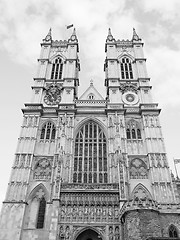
(138, 169)
(89, 207)
(53, 94)
(42, 170)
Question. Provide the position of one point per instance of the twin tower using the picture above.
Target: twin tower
(89, 168)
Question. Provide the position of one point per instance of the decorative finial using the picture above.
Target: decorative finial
(135, 36)
(48, 36)
(73, 36)
(74, 32)
(110, 36)
(91, 82)
(109, 32)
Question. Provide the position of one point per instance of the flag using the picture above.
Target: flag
(69, 26)
(177, 161)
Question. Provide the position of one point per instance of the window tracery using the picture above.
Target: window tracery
(48, 131)
(36, 208)
(133, 130)
(90, 155)
(138, 169)
(173, 232)
(126, 68)
(57, 68)
(42, 170)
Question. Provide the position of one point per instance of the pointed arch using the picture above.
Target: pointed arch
(57, 67)
(90, 153)
(103, 127)
(127, 55)
(140, 192)
(172, 231)
(133, 130)
(36, 208)
(33, 192)
(60, 55)
(48, 131)
(81, 231)
(126, 68)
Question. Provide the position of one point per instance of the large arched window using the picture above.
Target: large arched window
(36, 209)
(173, 232)
(133, 130)
(126, 68)
(57, 68)
(90, 155)
(48, 131)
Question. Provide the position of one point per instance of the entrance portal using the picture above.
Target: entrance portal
(89, 235)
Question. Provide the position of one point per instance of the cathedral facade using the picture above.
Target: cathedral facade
(88, 167)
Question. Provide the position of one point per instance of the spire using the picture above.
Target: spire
(135, 36)
(73, 36)
(48, 37)
(110, 36)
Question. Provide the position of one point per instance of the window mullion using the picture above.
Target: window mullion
(97, 142)
(45, 131)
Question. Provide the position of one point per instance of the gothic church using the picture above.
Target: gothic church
(88, 167)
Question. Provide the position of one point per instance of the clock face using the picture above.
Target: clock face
(130, 98)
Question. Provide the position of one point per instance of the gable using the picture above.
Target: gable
(91, 94)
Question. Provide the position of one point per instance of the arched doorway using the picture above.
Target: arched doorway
(89, 234)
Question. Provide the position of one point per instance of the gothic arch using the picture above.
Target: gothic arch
(97, 231)
(132, 120)
(44, 128)
(44, 121)
(133, 129)
(122, 55)
(53, 57)
(102, 126)
(173, 231)
(36, 207)
(140, 192)
(90, 153)
(36, 189)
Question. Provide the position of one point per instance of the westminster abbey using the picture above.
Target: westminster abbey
(88, 167)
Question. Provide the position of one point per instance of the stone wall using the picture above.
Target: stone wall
(141, 224)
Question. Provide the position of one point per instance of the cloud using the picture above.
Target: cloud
(163, 67)
(168, 9)
(23, 24)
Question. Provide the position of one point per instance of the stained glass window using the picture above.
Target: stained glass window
(90, 155)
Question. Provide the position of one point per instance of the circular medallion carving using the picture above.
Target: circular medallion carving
(130, 98)
(53, 94)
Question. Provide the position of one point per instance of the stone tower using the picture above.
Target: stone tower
(90, 168)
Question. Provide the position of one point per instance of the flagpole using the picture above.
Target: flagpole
(66, 32)
(175, 169)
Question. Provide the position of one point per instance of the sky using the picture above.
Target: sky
(23, 25)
